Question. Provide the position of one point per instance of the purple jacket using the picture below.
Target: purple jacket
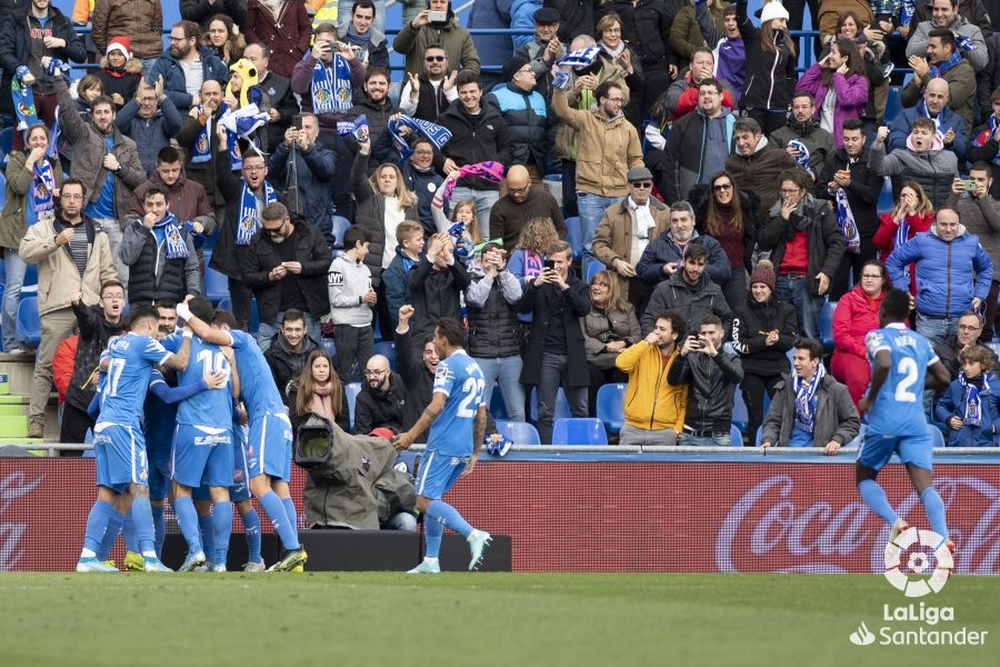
(852, 97)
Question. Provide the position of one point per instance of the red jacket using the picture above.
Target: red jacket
(885, 237)
(62, 365)
(855, 316)
(288, 38)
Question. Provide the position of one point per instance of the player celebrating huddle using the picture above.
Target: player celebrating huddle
(457, 419)
(896, 421)
(119, 447)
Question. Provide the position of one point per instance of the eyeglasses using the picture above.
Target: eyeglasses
(423, 152)
(616, 100)
(434, 59)
(598, 283)
(113, 297)
(71, 197)
(722, 186)
(791, 192)
(614, 31)
(642, 185)
(871, 276)
(525, 70)
(375, 373)
(254, 170)
(969, 327)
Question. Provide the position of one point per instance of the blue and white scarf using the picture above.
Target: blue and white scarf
(805, 393)
(201, 152)
(803, 158)
(845, 220)
(53, 150)
(249, 220)
(972, 414)
(43, 184)
(331, 86)
(437, 135)
(172, 236)
(584, 57)
(909, 8)
(358, 128)
(954, 59)
(965, 43)
(24, 100)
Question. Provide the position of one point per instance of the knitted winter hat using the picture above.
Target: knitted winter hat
(773, 10)
(122, 44)
(764, 273)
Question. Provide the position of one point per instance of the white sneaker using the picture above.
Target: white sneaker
(255, 567)
(93, 565)
(426, 568)
(478, 541)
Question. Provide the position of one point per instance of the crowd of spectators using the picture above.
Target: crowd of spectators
(726, 203)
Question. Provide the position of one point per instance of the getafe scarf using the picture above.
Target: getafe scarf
(358, 128)
(954, 59)
(437, 135)
(202, 150)
(845, 220)
(984, 136)
(972, 415)
(805, 392)
(331, 87)
(24, 100)
(176, 247)
(249, 221)
(581, 57)
(489, 171)
(43, 183)
(803, 158)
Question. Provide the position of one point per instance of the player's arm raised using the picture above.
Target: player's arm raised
(478, 437)
(427, 417)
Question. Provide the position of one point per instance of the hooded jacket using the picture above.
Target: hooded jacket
(817, 141)
(681, 165)
(916, 44)
(851, 93)
(770, 76)
(149, 135)
(385, 408)
(693, 302)
(981, 218)
(13, 218)
(286, 364)
(139, 20)
(761, 171)
(174, 81)
(836, 417)
(935, 170)
(491, 304)
(651, 403)
(453, 38)
(474, 139)
(662, 250)
(952, 404)
(95, 331)
(949, 274)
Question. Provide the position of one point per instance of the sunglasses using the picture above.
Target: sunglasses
(641, 184)
(434, 59)
(722, 186)
(275, 231)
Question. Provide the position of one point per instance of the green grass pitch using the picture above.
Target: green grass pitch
(520, 620)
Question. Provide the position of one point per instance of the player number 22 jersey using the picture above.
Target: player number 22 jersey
(460, 379)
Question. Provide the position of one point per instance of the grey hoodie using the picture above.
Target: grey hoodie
(347, 282)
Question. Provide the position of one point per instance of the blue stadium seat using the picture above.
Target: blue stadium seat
(936, 436)
(329, 346)
(29, 327)
(225, 304)
(886, 202)
(574, 235)
(31, 275)
(216, 283)
(826, 325)
(894, 104)
(3, 185)
(579, 431)
(760, 431)
(735, 436)
(859, 438)
(352, 389)
(411, 460)
(611, 406)
(387, 349)
(562, 405)
(6, 144)
(593, 267)
(340, 225)
(520, 433)
(741, 416)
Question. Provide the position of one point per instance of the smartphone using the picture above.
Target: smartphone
(297, 122)
(437, 17)
(550, 264)
(970, 185)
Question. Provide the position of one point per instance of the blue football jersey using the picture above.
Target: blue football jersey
(160, 417)
(260, 394)
(211, 408)
(460, 379)
(131, 358)
(898, 409)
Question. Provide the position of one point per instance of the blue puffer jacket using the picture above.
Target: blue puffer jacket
(531, 128)
(952, 404)
(173, 75)
(662, 250)
(949, 274)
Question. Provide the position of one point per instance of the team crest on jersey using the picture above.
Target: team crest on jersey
(143, 475)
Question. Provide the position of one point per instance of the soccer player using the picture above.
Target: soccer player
(457, 419)
(269, 448)
(120, 449)
(203, 448)
(901, 359)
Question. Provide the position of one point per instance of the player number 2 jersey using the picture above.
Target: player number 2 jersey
(899, 407)
(461, 380)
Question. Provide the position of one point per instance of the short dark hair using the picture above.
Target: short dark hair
(808, 96)
(982, 166)
(944, 34)
(166, 303)
(168, 155)
(604, 88)
(111, 283)
(75, 181)
(924, 124)
(797, 175)
(695, 251)
(141, 311)
(466, 77)
(377, 71)
(713, 320)
(854, 124)
(103, 100)
(364, 4)
(711, 81)
(677, 322)
(451, 330)
(156, 189)
(202, 308)
(190, 28)
(225, 317)
(814, 347)
(746, 125)
(356, 234)
(896, 305)
(294, 315)
(326, 27)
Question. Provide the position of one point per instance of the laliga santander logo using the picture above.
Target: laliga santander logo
(918, 563)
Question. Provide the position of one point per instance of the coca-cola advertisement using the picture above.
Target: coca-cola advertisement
(600, 516)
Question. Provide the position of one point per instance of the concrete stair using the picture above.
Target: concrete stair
(19, 370)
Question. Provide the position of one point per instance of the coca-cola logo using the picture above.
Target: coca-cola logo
(13, 487)
(775, 527)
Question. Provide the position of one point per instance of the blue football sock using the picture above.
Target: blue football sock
(142, 516)
(110, 535)
(187, 519)
(222, 524)
(875, 499)
(128, 532)
(251, 529)
(206, 530)
(442, 512)
(159, 529)
(934, 509)
(432, 537)
(293, 517)
(278, 515)
(97, 525)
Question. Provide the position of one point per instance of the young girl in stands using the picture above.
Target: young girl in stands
(969, 407)
(463, 225)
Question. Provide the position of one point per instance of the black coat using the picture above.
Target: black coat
(435, 294)
(751, 325)
(375, 408)
(537, 300)
(475, 139)
(749, 203)
(825, 242)
(646, 27)
(286, 365)
(279, 91)
(419, 381)
(315, 169)
(711, 382)
(311, 250)
(370, 214)
(862, 193)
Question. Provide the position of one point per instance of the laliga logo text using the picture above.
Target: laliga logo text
(12, 487)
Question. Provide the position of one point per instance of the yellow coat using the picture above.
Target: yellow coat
(651, 403)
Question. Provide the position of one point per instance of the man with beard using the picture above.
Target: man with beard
(662, 258)
(689, 292)
(289, 350)
(377, 108)
(682, 96)
(427, 95)
(186, 66)
(807, 132)
(382, 401)
(200, 140)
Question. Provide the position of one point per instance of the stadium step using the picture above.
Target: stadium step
(13, 426)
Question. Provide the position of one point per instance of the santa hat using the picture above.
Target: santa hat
(773, 10)
(120, 44)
